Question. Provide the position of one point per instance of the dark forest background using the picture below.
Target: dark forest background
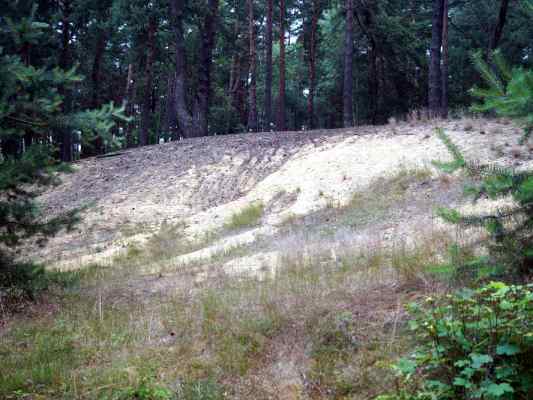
(188, 68)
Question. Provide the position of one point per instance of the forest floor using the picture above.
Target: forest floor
(264, 266)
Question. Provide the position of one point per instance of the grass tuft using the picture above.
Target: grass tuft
(247, 217)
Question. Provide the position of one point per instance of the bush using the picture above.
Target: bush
(476, 344)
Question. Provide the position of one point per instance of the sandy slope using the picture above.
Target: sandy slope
(202, 182)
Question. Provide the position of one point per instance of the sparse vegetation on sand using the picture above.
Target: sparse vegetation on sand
(249, 216)
(315, 316)
(311, 265)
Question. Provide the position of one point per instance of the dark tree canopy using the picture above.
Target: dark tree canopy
(188, 68)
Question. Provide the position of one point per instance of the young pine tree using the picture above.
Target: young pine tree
(509, 93)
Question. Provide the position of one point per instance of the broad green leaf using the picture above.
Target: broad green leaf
(478, 360)
(507, 349)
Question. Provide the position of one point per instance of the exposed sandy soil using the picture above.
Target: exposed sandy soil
(306, 182)
(201, 182)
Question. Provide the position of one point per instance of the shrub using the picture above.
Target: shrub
(476, 344)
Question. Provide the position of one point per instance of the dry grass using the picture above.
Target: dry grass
(324, 323)
(330, 320)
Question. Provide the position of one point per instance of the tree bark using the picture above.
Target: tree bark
(97, 65)
(65, 141)
(144, 132)
(268, 64)
(373, 82)
(281, 126)
(201, 109)
(366, 19)
(252, 95)
(444, 69)
(171, 123)
(500, 24)
(313, 43)
(435, 80)
(347, 114)
(128, 104)
(186, 122)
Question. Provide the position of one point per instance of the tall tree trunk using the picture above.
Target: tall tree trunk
(128, 105)
(185, 120)
(347, 114)
(97, 65)
(171, 123)
(201, 109)
(144, 132)
(313, 43)
(373, 82)
(65, 141)
(500, 24)
(366, 19)
(444, 70)
(237, 90)
(435, 80)
(281, 125)
(268, 65)
(252, 96)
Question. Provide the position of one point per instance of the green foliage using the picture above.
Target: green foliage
(147, 389)
(475, 344)
(458, 159)
(509, 228)
(527, 5)
(32, 112)
(510, 91)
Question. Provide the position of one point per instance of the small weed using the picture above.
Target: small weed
(147, 389)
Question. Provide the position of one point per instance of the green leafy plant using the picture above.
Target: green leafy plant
(475, 344)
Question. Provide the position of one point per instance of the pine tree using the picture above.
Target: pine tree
(31, 114)
(509, 93)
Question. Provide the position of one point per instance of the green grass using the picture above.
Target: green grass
(247, 217)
